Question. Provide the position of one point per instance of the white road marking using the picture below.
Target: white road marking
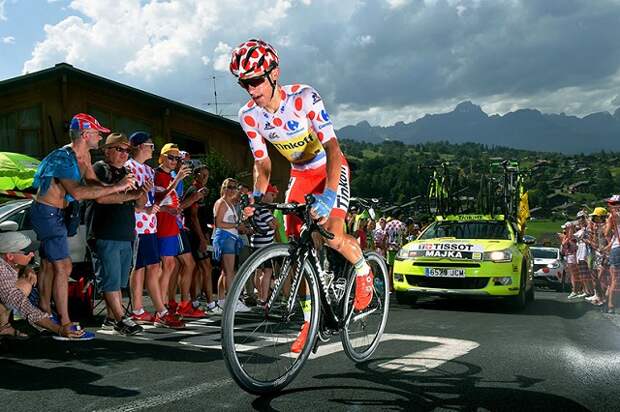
(169, 397)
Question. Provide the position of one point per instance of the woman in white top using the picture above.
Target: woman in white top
(226, 240)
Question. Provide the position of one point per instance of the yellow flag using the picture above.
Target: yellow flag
(524, 212)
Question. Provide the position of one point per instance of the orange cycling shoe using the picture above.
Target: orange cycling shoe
(363, 291)
(300, 342)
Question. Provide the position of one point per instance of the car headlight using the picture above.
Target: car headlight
(498, 256)
(554, 265)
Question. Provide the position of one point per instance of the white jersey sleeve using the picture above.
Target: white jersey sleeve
(249, 124)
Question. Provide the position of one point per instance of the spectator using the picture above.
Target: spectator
(600, 261)
(226, 241)
(614, 256)
(395, 230)
(360, 233)
(168, 231)
(186, 263)
(199, 219)
(371, 226)
(58, 180)
(114, 236)
(569, 248)
(147, 265)
(266, 223)
(583, 254)
(14, 292)
(380, 237)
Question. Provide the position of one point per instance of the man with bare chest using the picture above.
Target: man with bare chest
(64, 176)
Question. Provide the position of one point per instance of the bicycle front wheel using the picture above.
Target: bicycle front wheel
(363, 330)
(257, 345)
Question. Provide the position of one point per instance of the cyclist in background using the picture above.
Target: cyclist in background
(294, 120)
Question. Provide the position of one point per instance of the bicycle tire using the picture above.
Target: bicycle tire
(381, 298)
(233, 355)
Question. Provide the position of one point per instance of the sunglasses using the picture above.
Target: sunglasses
(149, 145)
(232, 188)
(254, 81)
(121, 150)
(174, 158)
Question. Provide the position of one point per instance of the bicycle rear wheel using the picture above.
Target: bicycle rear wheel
(257, 345)
(363, 330)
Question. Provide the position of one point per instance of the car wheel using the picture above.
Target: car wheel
(518, 302)
(530, 294)
(406, 298)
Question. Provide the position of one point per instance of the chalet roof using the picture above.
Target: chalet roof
(65, 68)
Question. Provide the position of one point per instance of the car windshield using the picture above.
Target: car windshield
(545, 253)
(468, 230)
(7, 207)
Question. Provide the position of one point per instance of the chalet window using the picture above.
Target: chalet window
(20, 131)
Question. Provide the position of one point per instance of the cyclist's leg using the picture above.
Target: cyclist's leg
(300, 184)
(346, 244)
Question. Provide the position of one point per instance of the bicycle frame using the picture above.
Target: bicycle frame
(304, 250)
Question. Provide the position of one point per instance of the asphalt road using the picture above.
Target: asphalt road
(438, 355)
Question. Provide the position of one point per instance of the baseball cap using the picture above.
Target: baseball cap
(115, 139)
(599, 211)
(272, 189)
(83, 121)
(11, 242)
(137, 138)
(614, 200)
(170, 147)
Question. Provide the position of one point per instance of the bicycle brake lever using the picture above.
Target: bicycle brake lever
(310, 200)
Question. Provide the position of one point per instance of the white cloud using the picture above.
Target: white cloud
(386, 61)
(395, 4)
(365, 40)
(222, 58)
(8, 40)
(2, 14)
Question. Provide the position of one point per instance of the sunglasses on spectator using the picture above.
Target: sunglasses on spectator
(174, 158)
(149, 145)
(232, 188)
(122, 150)
(254, 81)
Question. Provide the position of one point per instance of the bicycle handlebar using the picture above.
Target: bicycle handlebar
(301, 210)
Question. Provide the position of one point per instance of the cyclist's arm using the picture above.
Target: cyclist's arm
(258, 147)
(334, 163)
(262, 174)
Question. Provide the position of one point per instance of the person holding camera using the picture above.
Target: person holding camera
(200, 216)
(63, 177)
(113, 225)
(167, 181)
(147, 266)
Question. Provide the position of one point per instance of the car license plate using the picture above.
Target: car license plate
(444, 272)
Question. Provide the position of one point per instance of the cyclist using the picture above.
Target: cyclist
(294, 120)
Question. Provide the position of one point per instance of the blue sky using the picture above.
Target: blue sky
(382, 61)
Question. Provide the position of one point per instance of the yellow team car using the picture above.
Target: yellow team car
(466, 255)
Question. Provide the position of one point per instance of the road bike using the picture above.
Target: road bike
(257, 345)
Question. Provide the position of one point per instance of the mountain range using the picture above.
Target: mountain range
(522, 129)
